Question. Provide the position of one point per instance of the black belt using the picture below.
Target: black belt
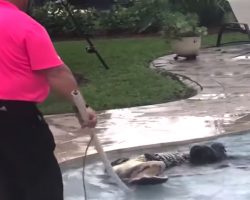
(13, 106)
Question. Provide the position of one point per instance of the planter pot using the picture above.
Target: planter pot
(186, 46)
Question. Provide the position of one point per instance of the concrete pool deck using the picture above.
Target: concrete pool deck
(221, 107)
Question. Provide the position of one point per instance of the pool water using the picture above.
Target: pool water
(228, 180)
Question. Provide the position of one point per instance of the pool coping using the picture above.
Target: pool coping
(138, 150)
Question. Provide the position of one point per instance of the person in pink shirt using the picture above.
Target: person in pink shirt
(29, 67)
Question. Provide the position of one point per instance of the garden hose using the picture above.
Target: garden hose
(81, 108)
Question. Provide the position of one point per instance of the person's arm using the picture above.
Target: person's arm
(59, 76)
(62, 81)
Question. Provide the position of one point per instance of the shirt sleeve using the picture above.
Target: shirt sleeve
(40, 49)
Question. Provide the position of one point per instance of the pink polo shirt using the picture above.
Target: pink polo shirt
(25, 48)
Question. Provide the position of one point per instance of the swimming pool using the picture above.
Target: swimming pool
(228, 180)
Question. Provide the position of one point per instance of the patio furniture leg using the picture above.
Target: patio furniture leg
(247, 30)
(222, 29)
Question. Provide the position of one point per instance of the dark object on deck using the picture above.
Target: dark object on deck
(193, 57)
(204, 154)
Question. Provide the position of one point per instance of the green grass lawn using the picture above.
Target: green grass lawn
(129, 81)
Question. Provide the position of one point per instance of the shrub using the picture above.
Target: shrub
(177, 25)
(210, 12)
(135, 17)
(58, 22)
(150, 12)
(128, 16)
(118, 20)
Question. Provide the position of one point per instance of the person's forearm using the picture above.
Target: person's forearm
(62, 81)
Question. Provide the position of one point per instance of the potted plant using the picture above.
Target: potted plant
(184, 33)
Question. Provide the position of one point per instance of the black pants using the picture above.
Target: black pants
(28, 167)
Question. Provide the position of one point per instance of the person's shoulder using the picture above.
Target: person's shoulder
(18, 24)
(22, 21)
(30, 23)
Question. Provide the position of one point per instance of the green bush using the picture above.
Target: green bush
(58, 22)
(131, 17)
(177, 25)
(118, 20)
(150, 12)
(51, 17)
(210, 12)
(135, 17)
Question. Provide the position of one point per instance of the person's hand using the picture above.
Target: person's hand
(92, 118)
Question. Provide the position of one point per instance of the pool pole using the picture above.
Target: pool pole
(81, 107)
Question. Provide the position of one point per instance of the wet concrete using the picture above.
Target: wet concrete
(221, 107)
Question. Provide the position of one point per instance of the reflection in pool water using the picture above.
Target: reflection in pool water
(228, 180)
